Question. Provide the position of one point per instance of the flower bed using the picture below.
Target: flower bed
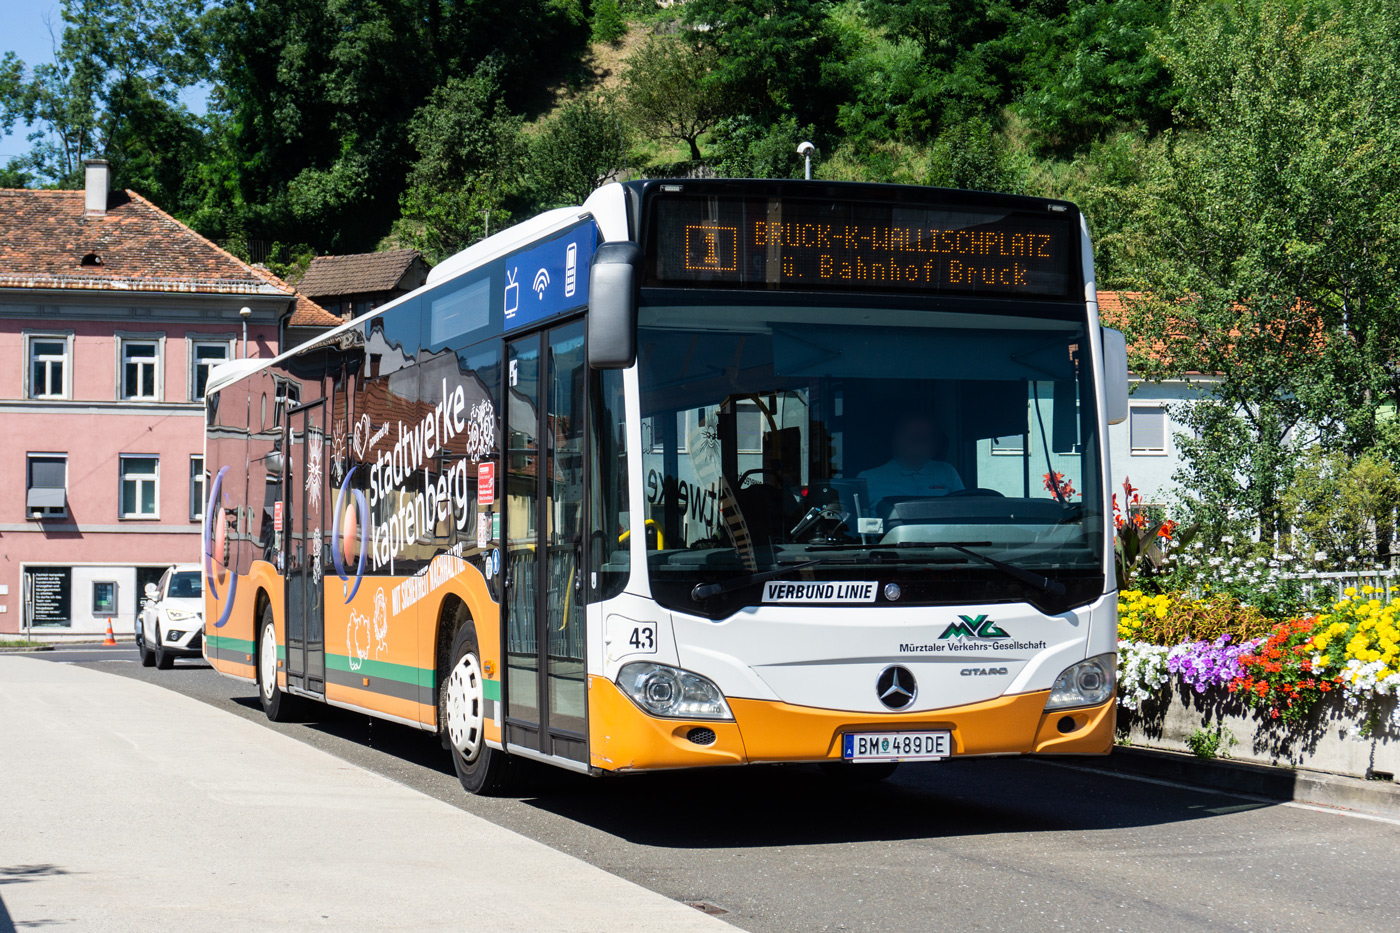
(1317, 692)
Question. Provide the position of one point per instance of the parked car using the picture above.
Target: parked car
(170, 624)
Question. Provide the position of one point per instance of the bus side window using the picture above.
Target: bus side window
(608, 518)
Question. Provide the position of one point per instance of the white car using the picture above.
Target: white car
(170, 624)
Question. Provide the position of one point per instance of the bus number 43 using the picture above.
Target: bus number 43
(643, 638)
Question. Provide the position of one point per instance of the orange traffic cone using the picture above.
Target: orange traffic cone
(110, 639)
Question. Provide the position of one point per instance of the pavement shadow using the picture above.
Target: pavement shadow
(761, 806)
(18, 874)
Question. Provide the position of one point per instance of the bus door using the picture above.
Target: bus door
(305, 531)
(545, 692)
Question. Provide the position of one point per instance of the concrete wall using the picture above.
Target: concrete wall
(93, 427)
(1336, 738)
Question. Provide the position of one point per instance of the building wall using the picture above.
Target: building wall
(94, 427)
(1152, 471)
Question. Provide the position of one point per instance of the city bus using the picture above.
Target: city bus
(699, 473)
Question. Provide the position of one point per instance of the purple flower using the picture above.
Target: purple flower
(1204, 664)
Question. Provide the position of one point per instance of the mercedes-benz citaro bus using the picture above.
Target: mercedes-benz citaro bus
(700, 473)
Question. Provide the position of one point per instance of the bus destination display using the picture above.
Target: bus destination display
(860, 246)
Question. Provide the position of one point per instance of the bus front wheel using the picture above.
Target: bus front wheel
(278, 705)
(482, 769)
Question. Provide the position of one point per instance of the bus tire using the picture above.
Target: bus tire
(278, 705)
(483, 770)
(856, 774)
(164, 662)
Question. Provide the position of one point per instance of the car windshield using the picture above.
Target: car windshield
(186, 585)
(871, 438)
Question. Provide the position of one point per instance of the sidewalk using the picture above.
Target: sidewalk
(129, 807)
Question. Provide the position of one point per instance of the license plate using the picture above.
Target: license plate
(896, 746)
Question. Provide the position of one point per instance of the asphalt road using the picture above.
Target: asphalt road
(993, 844)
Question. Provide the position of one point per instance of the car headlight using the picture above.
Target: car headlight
(667, 691)
(1088, 683)
(180, 615)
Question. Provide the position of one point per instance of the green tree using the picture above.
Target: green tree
(672, 91)
(576, 150)
(1268, 232)
(468, 172)
(112, 90)
(1344, 506)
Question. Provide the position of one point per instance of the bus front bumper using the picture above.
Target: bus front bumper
(623, 738)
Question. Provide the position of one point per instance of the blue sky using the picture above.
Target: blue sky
(26, 32)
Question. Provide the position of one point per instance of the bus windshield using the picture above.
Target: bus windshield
(861, 443)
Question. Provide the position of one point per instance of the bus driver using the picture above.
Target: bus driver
(912, 471)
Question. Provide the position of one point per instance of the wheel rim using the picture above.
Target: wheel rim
(466, 702)
(267, 661)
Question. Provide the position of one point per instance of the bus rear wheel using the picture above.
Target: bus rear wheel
(483, 770)
(277, 704)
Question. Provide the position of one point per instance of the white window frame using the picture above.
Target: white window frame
(197, 504)
(66, 338)
(192, 344)
(121, 483)
(28, 472)
(1133, 448)
(154, 337)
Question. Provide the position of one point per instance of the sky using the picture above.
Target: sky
(29, 28)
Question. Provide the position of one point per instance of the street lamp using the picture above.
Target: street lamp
(245, 312)
(805, 149)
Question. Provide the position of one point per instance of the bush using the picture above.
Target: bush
(1173, 619)
(608, 23)
(1279, 675)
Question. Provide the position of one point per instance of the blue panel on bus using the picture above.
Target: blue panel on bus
(549, 279)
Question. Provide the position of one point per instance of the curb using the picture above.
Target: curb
(1283, 784)
(26, 649)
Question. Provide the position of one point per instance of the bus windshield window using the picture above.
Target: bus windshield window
(775, 434)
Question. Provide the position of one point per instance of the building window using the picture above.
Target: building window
(140, 379)
(1012, 445)
(47, 492)
(48, 366)
(140, 476)
(204, 356)
(198, 481)
(1147, 429)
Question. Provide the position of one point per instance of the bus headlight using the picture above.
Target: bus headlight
(1088, 683)
(667, 691)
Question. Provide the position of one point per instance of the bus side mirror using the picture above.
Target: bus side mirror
(1115, 375)
(612, 306)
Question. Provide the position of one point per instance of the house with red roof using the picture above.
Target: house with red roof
(112, 314)
(1144, 447)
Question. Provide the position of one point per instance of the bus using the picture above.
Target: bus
(699, 473)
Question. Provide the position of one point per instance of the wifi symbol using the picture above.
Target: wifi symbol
(541, 283)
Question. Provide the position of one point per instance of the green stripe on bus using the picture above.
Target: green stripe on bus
(403, 673)
(281, 653)
(491, 689)
(230, 644)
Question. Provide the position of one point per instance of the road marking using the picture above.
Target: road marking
(1337, 811)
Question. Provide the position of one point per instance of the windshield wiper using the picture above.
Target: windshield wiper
(704, 591)
(1044, 584)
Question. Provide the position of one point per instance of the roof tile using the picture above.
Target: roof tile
(356, 273)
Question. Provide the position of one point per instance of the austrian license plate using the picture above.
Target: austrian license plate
(896, 746)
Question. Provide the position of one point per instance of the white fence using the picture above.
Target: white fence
(1321, 589)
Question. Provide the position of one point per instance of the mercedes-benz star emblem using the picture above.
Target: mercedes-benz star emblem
(896, 687)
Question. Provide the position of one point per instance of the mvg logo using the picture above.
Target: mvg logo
(974, 627)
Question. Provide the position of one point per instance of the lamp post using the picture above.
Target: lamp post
(245, 312)
(805, 149)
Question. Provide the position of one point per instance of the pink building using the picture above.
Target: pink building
(112, 313)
